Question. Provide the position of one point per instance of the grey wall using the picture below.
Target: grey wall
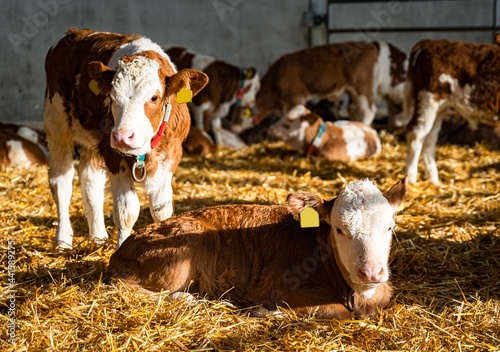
(245, 33)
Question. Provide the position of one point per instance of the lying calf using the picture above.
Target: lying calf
(21, 146)
(198, 142)
(260, 254)
(344, 141)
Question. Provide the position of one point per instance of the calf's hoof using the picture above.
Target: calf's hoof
(63, 245)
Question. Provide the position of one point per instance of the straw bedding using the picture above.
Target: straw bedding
(445, 261)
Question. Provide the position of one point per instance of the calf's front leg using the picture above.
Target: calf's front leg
(92, 183)
(126, 205)
(217, 130)
(61, 173)
(159, 189)
(61, 170)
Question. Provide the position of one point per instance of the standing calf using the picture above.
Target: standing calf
(444, 74)
(344, 141)
(259, 254)
(228, 85)
(116, 97)
(366, 71)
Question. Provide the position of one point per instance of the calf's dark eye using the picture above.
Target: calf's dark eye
(339, 230)
(154, 99)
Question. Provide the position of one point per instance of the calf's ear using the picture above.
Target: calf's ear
(100, 77)
(310, 117)
(298, 201)
(186, 78)
(397, 192)
(250, 73)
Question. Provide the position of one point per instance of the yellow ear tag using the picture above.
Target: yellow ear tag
(184, 96)
(248, 113)
(94, 87)
(309, 217)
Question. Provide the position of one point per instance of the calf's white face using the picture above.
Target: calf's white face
(136, 99)
(362, 220)
(138, 92)
(291, 128)
(251, 87)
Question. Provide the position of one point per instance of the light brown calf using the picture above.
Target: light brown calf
(260, 254)
(366, 71)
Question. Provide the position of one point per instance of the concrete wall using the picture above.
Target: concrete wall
(245, 33)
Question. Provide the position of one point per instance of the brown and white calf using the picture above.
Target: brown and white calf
(341, 140)
(22, 146)
(228, 85)
(366, 71)
(116, 97)
(445, 74)
(459, 131)
(260, 254)
(198, 142)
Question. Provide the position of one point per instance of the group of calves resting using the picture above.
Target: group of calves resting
(123, 101)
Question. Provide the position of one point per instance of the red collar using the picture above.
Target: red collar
(139, 160)
(314, 146)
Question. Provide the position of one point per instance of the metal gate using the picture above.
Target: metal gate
(474, 10)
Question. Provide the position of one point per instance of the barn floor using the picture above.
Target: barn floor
(445, 261)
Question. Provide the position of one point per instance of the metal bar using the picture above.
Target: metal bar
(368, 1)
(415, 29)
(493, 28)
(309, 29)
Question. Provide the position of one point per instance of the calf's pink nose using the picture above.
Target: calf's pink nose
(374, 274)
(122, 138)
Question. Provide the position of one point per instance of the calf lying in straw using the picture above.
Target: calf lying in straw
(345, 141)
(263, 255)
(21, 146)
